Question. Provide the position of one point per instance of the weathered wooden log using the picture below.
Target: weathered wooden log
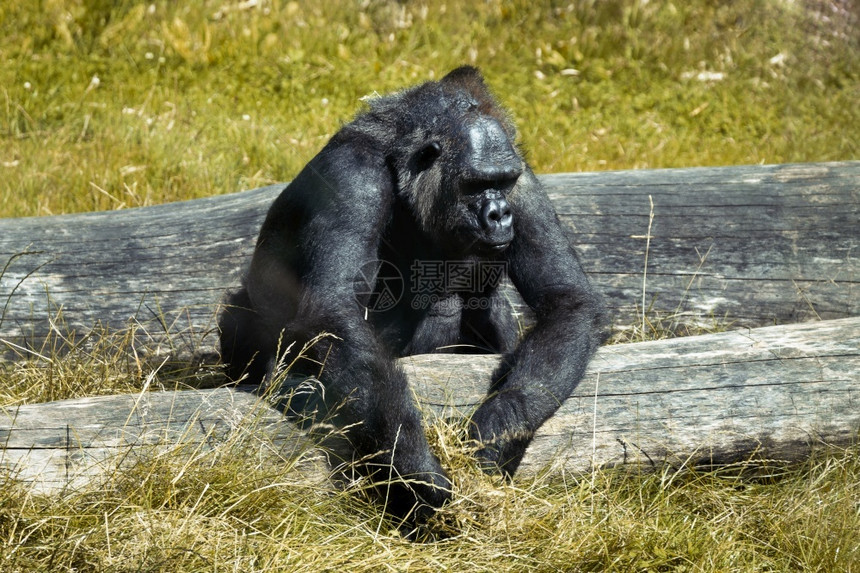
(749, 246)
(770, 393)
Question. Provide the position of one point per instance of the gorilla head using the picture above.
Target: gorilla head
(427, 178)
(454, 161)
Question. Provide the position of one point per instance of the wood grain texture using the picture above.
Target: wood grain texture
(767, 393)
(749, 246)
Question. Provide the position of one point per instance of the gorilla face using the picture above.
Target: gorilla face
(457, 176)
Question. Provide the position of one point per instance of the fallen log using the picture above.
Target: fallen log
(772, 393)
(747, 246)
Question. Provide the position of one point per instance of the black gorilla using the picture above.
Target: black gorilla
(393, 241)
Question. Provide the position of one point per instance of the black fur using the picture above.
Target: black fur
(423, 177)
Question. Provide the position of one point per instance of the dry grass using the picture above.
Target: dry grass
(229, 508)
(226, 510)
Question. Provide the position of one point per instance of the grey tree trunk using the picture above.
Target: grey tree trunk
(744, 246)
(772, 393)
(741, 246)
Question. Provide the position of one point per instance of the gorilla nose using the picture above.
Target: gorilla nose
(496, 215)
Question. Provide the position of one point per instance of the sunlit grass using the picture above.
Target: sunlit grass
(109, 104)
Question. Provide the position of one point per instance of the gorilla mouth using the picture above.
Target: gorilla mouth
(495, 247)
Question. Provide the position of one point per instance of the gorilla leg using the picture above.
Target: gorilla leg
(242, 349)
(439, 327)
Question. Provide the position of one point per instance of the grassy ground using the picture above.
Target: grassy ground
(229, 510)
(232, 509)
(109, 104)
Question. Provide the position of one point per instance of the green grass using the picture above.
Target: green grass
(108, 105)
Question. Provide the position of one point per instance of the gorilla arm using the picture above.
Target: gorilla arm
(533, 381)
(319, 232)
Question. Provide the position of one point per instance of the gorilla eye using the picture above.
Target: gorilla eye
(427, 155)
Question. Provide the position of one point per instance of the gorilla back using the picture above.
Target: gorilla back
(392, 241)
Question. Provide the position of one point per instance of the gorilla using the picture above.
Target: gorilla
(393, 241)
